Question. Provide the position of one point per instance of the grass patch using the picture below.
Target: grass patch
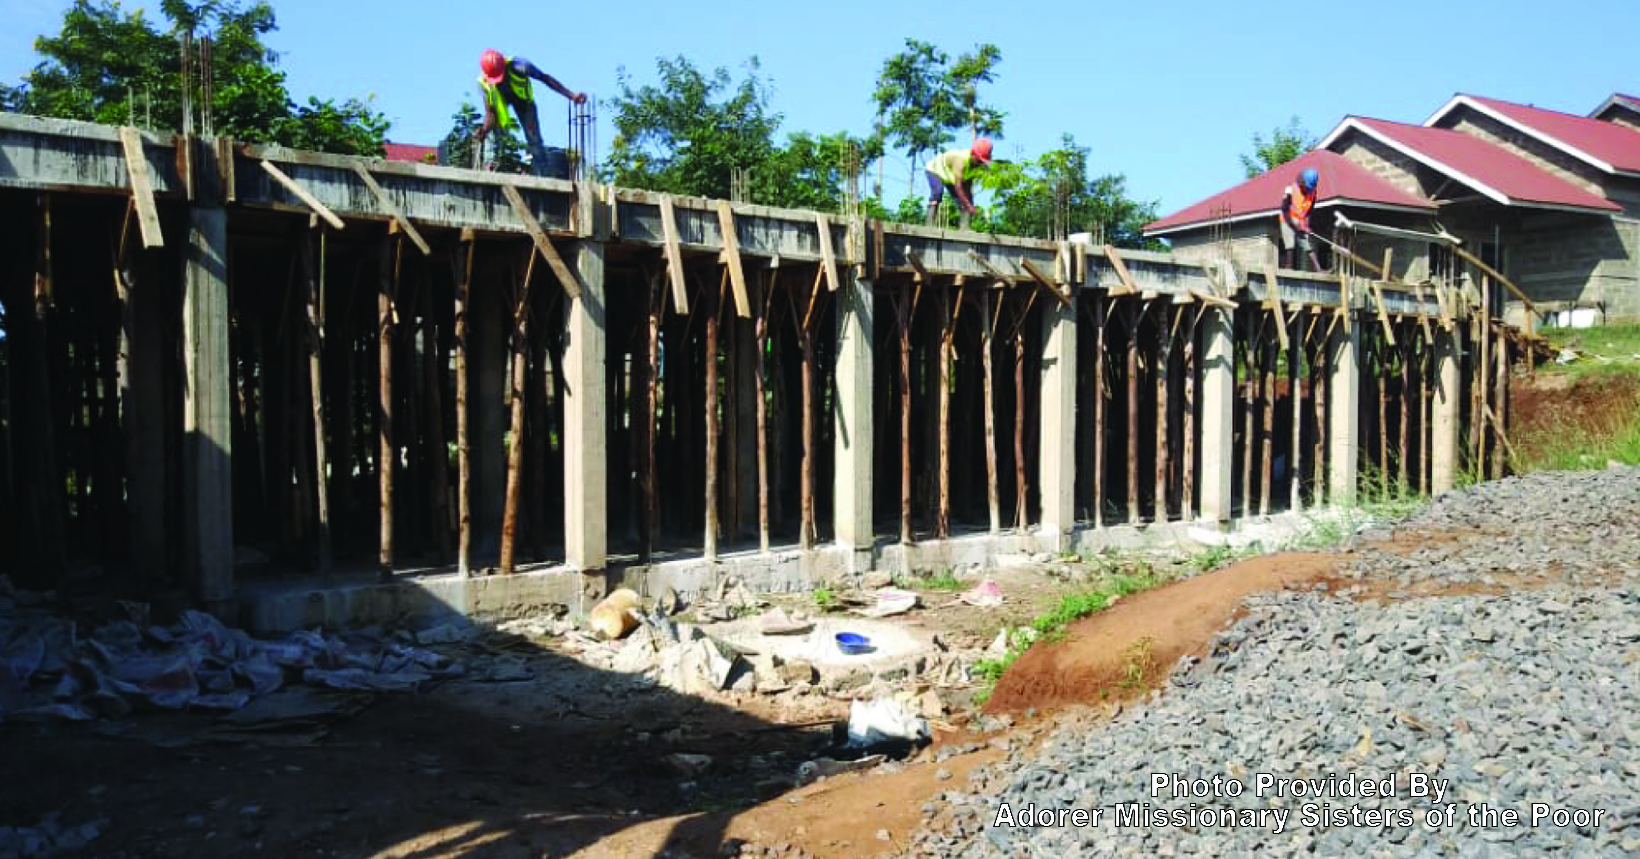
(1138, 660)
(1587, 423)
(824, 599)
(945, 581)
(1600, 349)
(1050, 625)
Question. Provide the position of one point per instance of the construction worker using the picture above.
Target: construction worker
(506, 84)
(954, 171)
(1296, 203)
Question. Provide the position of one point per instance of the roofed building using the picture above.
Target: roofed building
(1550, 199)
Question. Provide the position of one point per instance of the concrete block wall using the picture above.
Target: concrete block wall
(1384, 162)
(1253, 244)
(1578, 260)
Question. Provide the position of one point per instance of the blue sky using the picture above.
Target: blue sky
(1168, 93)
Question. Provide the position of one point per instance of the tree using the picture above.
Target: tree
(105, 61)
(922, 97)
(1284, 145)
(456, 150)
(1052, 194)
(688, 134)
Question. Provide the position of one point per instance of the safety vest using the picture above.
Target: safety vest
(1299, 205)
(493, 96)
(953, 166)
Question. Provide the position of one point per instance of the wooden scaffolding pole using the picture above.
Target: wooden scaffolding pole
(761, 330)
(1295, 397)
(515, 436)
(1500, 402)
(314, 340)
(386, 322)
(807, 534)
(464, 459)
(652, 357)
(1134, 314)
(1164, 354)
(438, 455)
(1187, 460)
(905, 308)
(714, 300)
(942, 522)
(1101, 312)
(987, 344)
(1021, 485)
(1268, 370)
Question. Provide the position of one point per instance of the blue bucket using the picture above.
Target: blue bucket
(853, 644)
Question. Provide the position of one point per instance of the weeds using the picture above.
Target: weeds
(1050, 626)
(1138, 660)
(824, 599)
(945, 581)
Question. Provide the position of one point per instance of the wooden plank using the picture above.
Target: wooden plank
(916, 262)
(388, 207)
(827, 258)
(1495, 275)
(566, 277)
(301, 193)
(995, 272)
(674, 257)
(1273, 302)
(1377, 294)
(142, 187)
(1206, 297)
(1047, 285)
(731, 247)
(1121, 270)
(1423, 318)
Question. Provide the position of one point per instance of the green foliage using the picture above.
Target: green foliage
(689, 133)
(506, 150)
(1138, 661)
(1284, 145)
(944, 581)
(1213, 557)
(1050, 626)
(1052, 193)
(686, 134)
(106, 62)
(922, 97)
(824, 599)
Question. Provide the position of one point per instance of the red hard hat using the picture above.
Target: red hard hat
(982, 150)
(493, 65)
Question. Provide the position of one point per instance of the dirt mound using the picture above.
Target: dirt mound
(1552, 408)
(1124, 651)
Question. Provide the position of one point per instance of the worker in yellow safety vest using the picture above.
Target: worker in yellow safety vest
(506, 85)
(954, 170)
(1297, 201)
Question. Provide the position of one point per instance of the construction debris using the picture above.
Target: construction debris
(986, 594)
(616, 615)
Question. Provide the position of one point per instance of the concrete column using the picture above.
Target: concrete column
(1444, 417)
(1344, 410)
(853, 420)
(207, 409)
(1057, 468)
(586, 539)
(1216, 429)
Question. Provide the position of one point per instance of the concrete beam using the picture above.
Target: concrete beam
(207, 409)
(1216, 439)
(1445, 416)
(586, 543)
(1058, 448)
(852, 416)
(1344, 410)
(63, 154)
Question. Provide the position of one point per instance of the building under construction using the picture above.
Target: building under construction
(315, 388)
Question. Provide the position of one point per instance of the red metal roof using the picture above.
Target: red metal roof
(412, 153)
(1617, 147)
(1342, 181)
(1486, 167)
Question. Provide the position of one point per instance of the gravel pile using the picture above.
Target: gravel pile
(1508, 703)
(1581, 527)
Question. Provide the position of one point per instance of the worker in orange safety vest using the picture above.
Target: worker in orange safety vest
(1296, 204)
(506, 85)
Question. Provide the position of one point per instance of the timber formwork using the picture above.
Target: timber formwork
(357, 367)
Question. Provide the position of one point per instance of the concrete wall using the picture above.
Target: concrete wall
(1253, 244)
(1385, 163)
(1577, 260)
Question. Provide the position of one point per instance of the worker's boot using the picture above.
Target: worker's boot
(962, 222)
(1315, 262)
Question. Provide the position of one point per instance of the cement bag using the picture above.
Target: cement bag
(616, 615)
